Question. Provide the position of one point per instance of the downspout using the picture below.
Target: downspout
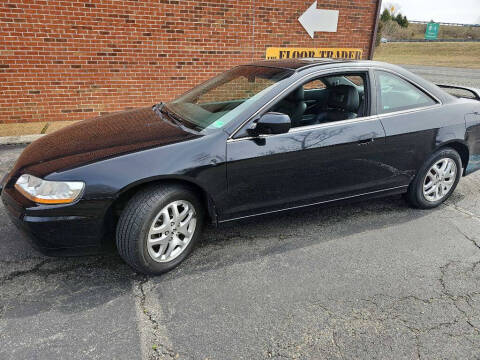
(374, 34)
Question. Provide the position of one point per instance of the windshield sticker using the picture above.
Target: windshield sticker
(218, 124)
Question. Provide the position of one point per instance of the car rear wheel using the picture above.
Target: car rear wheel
(158, 228)
(436, 180)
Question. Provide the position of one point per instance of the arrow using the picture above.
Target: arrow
(314, 19)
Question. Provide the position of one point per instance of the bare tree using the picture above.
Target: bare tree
(392, 7)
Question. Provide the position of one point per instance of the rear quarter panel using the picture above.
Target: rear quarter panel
(413, 136)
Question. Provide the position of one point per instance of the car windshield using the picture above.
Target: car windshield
(216, 102)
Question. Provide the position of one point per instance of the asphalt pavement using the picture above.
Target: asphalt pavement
(369, 280)
(447, 75)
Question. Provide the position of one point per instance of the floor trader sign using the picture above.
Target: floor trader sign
(312, 20)
(334, 53)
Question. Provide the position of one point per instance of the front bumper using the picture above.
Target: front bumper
(73, 229)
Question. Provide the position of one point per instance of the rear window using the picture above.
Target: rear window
(397, 94)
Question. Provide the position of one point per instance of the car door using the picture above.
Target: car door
(411, 118)
(309, 164)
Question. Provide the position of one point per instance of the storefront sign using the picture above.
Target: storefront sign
(334, 53)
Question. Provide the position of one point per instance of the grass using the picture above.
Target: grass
(391, 30)
(450, 54)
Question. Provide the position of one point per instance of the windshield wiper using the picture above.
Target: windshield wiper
(171, 117)
(158, 108)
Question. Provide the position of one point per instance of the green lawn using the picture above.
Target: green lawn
(451, 54)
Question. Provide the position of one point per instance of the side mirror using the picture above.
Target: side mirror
(271, 123)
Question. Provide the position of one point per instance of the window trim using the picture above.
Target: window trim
(415, 85)
(305, 79)
(368, 85)
(374, 97)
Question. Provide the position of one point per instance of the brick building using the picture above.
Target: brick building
(68, 60)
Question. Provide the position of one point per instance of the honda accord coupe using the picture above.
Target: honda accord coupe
(259, 138)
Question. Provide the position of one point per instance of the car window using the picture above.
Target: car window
(357, 80)
(238, 89)
(396, 94)
(316, 84)
(213, 104)
(326, 99)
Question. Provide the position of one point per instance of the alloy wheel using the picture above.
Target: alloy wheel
(171, 231)
(439, 179)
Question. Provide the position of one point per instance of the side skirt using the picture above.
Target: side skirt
(369, 195)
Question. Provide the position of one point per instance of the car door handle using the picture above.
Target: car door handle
(365, 141)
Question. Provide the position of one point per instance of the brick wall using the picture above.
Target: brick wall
(68, 60)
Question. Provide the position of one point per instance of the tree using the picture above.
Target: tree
(399, 19)
(385, 16)
(393, 8)
(379, 33)
(390, 21)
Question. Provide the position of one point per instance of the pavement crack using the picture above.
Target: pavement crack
(21, 261)
(463, 211)
(337, 346)
(57, 266)
(153, 345)
(18, 273)
(471, 239)
(455, 298)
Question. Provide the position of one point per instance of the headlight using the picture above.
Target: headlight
(48, 192)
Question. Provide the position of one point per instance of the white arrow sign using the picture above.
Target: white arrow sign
(319, 20)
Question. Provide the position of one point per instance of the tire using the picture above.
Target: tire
(145, 214)
(416, 195)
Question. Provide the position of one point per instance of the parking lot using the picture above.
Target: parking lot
(371, 280)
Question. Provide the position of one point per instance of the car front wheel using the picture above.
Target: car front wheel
(436, 180)
(158, 228)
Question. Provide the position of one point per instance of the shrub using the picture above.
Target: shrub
(385, 16)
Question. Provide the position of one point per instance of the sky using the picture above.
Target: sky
(454, 11)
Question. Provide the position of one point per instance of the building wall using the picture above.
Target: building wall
(68, 60)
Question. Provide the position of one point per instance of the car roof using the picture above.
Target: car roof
(310, 64)
(298, 64)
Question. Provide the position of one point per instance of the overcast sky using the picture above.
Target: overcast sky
(454, 11)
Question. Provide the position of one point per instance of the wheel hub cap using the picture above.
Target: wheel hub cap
(439, 179)
(171, 231)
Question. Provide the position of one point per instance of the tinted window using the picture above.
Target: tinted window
(314, 85)
(214, 103)
(396, 94)
(326, 99)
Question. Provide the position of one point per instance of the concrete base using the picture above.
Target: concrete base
(20, 139)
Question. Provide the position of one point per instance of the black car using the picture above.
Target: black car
(257, 139)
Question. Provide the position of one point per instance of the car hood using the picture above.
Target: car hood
(95, 139)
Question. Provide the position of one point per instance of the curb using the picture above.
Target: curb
(21, 139)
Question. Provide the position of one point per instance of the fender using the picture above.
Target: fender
(188, 181)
